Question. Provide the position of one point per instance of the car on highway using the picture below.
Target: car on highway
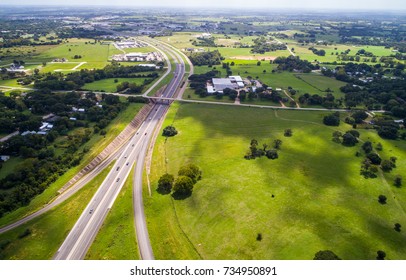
(118, 168)
(118, 179)
(127, 163)
(132, 145)
(91, 211)
(145, 133)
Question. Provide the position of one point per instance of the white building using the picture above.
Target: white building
(219, 84)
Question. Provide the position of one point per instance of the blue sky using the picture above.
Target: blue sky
(269, 4)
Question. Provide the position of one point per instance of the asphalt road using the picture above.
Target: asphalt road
(85, 230)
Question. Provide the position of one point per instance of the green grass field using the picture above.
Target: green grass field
(49, 230)
(320, 200)
(116, 239)
(97, 143)
(109, 85)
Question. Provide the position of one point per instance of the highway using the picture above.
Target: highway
(85, 230)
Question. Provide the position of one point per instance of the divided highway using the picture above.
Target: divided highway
(85, 230)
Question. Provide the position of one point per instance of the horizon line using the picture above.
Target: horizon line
(206, 8)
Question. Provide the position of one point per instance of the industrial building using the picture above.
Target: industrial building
(219, 84)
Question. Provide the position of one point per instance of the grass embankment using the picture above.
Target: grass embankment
(116, 239)
(312, 198)
(49, 230)
(97, 143)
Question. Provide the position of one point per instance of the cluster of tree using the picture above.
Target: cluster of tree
(36, 173)
(42, 165)
(198, 81)
(182, 186)
(204, 42)
(130, 87)
(169, 131)
(327, 101)
(16, 42)
(263, 94)
(262, 45)
(137, 99)
(372, 161)
(12, 116)
(317, 52)
(356, 117)
(363, 52)
(292, 63)
(332, 119)
(77, 32)
(206, 58)
(75, 80)
(256, 151)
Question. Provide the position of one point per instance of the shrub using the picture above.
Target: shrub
(325, 255)
(380, 255)
(169, 131)
(382, 199)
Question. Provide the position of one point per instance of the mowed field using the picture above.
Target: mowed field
(312, 198)
(109, 85)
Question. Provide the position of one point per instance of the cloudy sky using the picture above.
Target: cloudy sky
(298, 4)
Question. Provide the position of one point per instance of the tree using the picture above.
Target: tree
(272, 154)
(259, 236)
(169, 131)
(259, 63)
(165, 183)
(337, 136)
(192, 171)
(398, 181)
(277, 144)
(325, 255)
(397, 227)
(349, 139)
(387, 165)
(382, 199)
(288, 132)
(183, 186)
(374, 158)
(367, 147)
(332, 120)
(354, 133)
(380, 255)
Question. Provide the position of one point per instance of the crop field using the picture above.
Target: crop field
(307, 200)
